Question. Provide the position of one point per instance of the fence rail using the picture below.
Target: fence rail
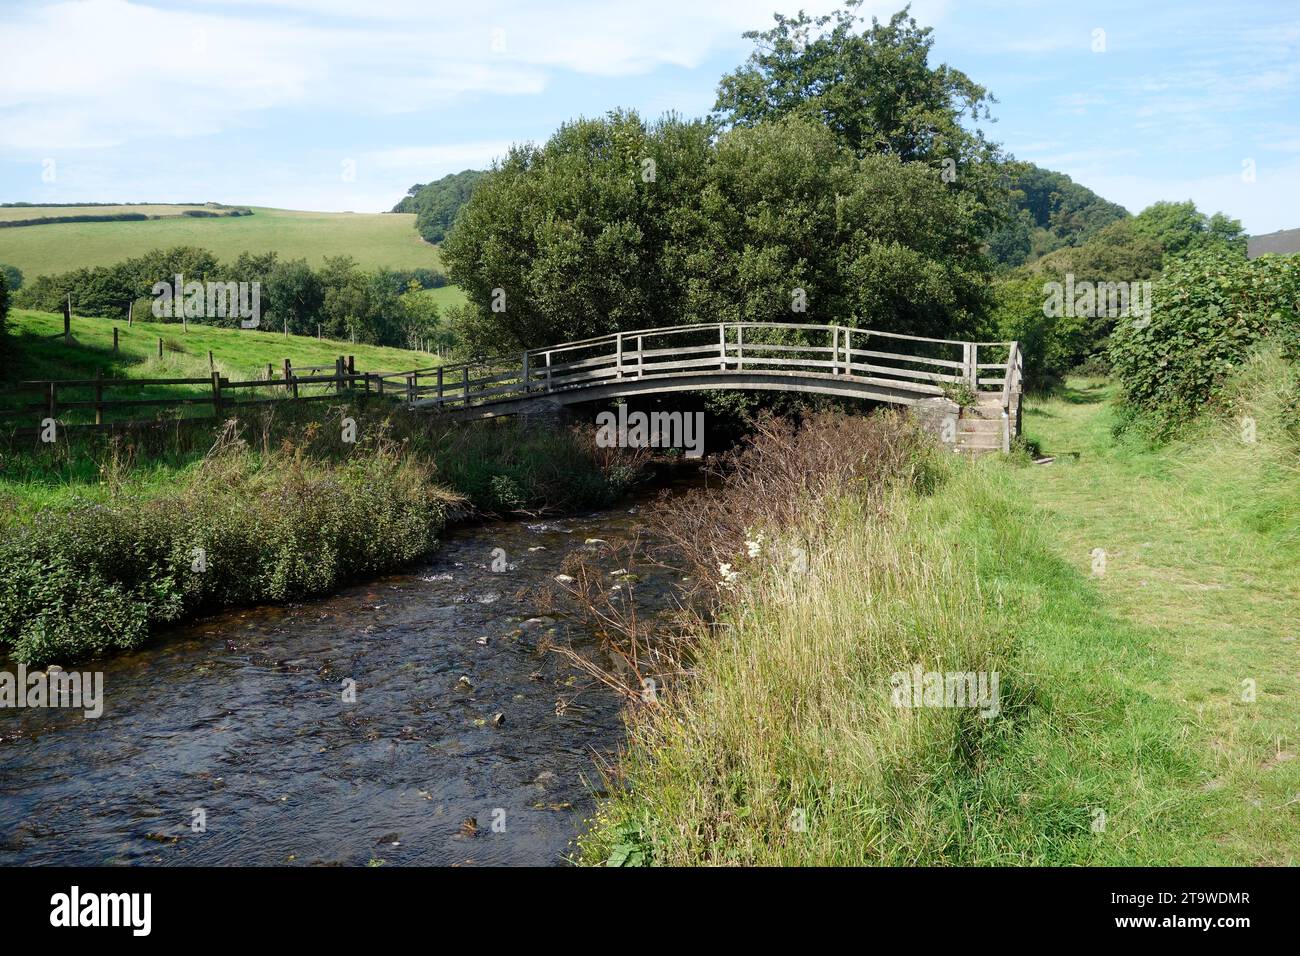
(93, 397)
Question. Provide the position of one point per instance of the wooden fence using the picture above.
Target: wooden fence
(94, 402)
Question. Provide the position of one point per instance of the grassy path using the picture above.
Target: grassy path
(1202, 568)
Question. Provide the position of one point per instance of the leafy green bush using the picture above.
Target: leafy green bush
(1210, 310)
(4, 318)
(92, 577)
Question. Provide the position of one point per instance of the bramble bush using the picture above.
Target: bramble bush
(1211, 310)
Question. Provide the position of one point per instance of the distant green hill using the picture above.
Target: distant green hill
(1050, 211)
(372, 239)
(436, 204)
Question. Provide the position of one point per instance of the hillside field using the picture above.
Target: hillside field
(372, 239)
(38, 353)
(161, 210)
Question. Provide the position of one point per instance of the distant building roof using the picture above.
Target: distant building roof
(1284, 242)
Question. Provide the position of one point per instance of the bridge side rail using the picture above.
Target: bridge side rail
(862, 354)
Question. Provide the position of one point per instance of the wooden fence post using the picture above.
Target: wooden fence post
(525, 373)
(464, 381)
(848, 352)
(722, 345)
(352, 371)
(439, 384)
(130, 311)
(212, 366)
(115, 338)
(67, 320)
(51, 404)
(160, 347)
(290, 383)
(99, 399)
(216, 394)
(640, 356)
(410, 387)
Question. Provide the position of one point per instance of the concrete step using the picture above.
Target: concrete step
(994, 444)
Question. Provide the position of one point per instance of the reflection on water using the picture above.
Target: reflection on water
(242, 715)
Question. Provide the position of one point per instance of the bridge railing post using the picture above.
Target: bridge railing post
(740, 348)
(548, 371)
(618, 354)
(525, 378)
(722, 346)
(848, 352)
(640, 357)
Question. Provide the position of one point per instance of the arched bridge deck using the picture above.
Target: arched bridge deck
(764, 356)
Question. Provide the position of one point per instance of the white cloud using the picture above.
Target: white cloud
(80, 75)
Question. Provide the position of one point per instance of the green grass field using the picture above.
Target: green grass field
(447, 296)
(39, 353)
(372, 239)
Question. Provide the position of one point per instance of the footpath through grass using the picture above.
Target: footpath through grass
(1202, 565)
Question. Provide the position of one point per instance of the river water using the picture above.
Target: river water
(238, 722)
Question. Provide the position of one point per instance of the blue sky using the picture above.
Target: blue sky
(338, 104)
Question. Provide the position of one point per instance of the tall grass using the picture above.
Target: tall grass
(781, 742)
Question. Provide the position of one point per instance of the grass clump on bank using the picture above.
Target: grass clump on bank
(103, 539)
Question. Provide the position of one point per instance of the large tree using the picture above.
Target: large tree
(875, 90)
(567, 240)
(614, 226)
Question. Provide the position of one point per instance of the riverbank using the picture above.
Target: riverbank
(413, 719)
(105, 539)
(1121, 732)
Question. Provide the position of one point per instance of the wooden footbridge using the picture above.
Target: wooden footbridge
(934, 375)
(763, 356)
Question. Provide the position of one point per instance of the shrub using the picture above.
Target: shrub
(4, 319)
(87, 578)
(1210, 311)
